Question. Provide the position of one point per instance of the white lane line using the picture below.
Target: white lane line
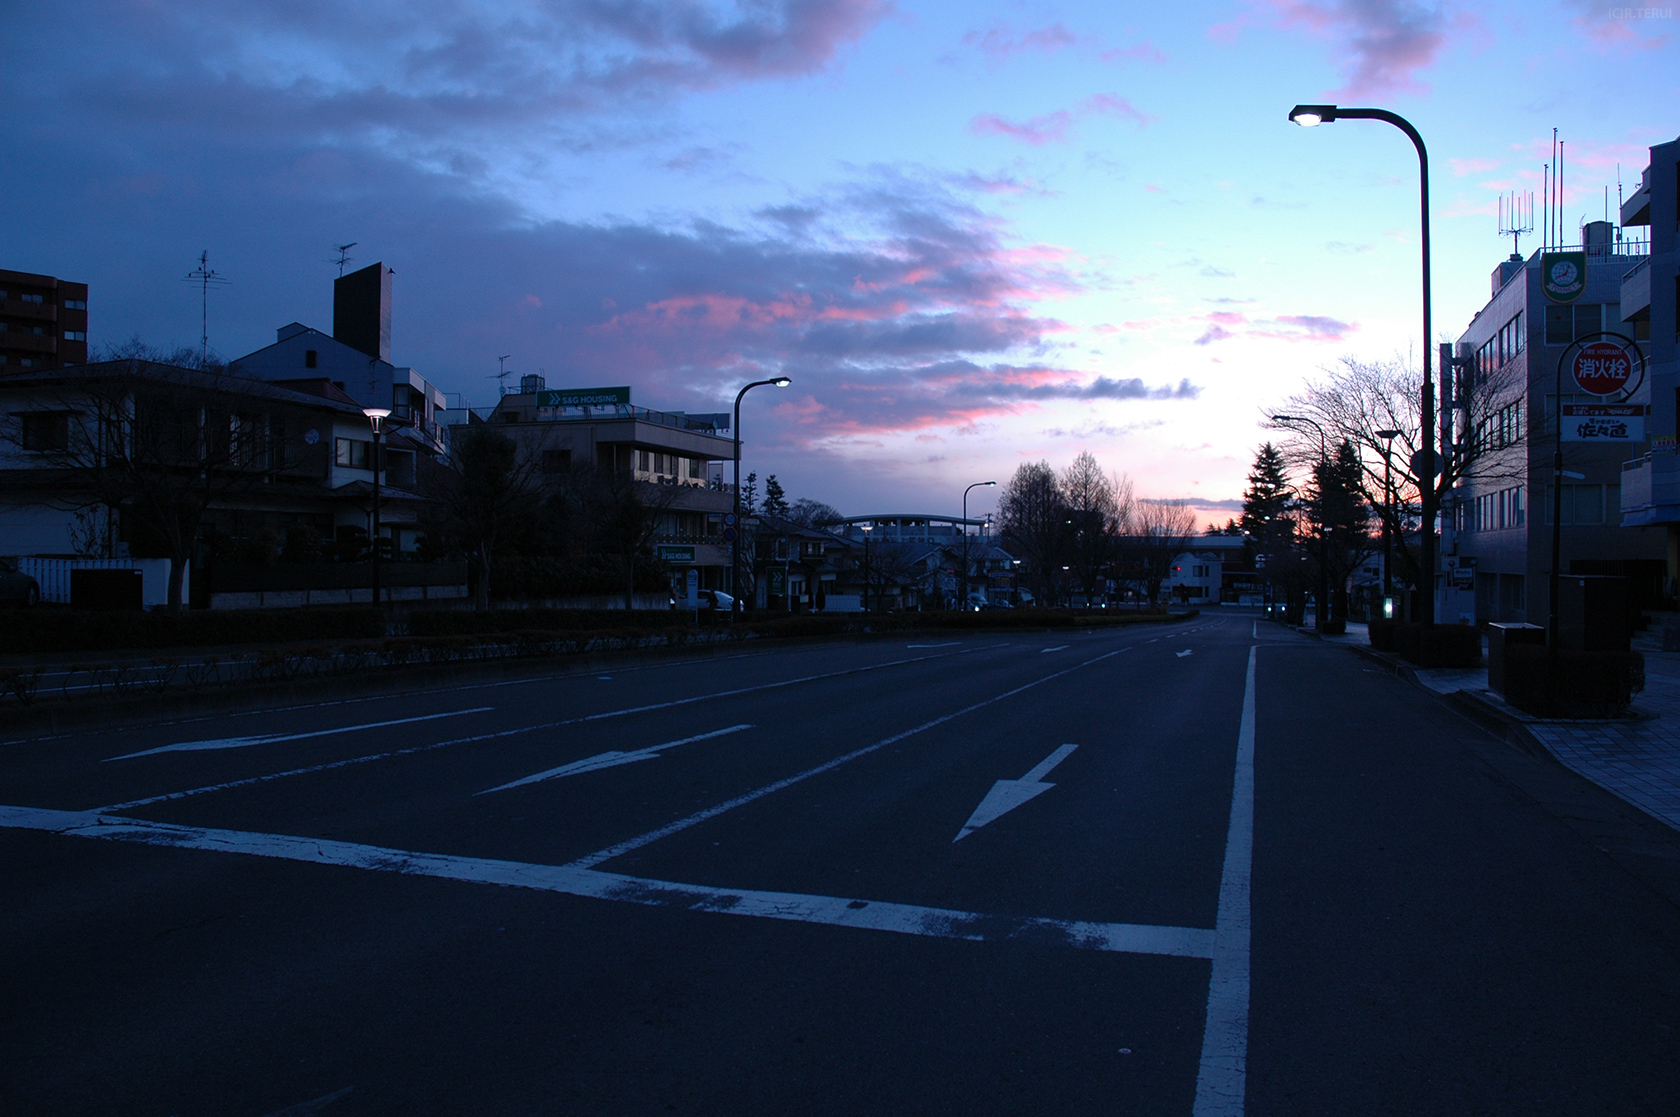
(1057, 648)
(413, 749)
(611, 759)
(1185, 652)
(1222, 1081)
(839, 911)
(270, 738)
(698, 817)
(947, 644)
(1006, 795)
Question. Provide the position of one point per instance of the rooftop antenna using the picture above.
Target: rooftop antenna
(1516, 219)
(503, 373)
(343, 251)
(206, 277)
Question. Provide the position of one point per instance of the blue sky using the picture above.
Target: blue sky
(974, 234)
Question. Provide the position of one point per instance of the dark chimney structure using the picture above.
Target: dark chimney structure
(362, 310)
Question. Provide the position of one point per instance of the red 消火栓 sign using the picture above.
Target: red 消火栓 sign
(1602, 368)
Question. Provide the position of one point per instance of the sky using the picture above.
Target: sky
(973, 234)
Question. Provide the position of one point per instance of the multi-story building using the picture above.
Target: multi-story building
(356, 358)
(1649, 306)
(1496, 536)
(43, 322)
(667, 454)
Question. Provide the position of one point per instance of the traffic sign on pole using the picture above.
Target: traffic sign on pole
(1602, 368)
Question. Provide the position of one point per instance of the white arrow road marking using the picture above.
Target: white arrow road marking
(269, 738)
(1057, 648)
(1184, 653)
(573, 880)
(611, 759)
(1006, 795)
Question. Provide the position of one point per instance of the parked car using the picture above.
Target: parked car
(16, 586)
(716, 599)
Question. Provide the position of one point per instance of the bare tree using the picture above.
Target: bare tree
(1034, 519)
(892, 566)
(1356, 399)
(1163, 530)
(1099, 506)
(623, 516)
(813, 513)
(485, 491)
(158, 445)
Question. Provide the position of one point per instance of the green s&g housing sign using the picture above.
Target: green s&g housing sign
(1563, 275)
(584, 397)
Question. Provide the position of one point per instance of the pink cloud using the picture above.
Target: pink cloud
(1618, 29)
(1387, 42)
(1040, 130)
(1143, 52)
(1475, 166)
(1108, 104)
(1002, 41)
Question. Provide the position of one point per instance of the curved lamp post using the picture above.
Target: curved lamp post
(735, 543)
(1309, 116)
(976, 485)
(867, 528)
(1322, 613)
(376, 416)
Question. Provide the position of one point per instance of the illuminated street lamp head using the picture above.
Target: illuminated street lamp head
(1311, 116)
(781, 382)
(376, 416)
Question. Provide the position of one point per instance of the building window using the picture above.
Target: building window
(75, 304)
(1587, 504)
(311, 358)
(75, 335)
(46, 431)
(556, 461)
(353, 453)
(36, 299)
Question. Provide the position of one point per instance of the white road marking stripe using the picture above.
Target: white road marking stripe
(698, 817)
(1057, 648)
(271, 738)
(611, 759)
(1222, 1081)
(1184, 653)
(840, 911)
(413, 749)
(947, 644)
(1006, 795)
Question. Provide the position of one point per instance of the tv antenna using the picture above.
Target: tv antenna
(1516, 219)
(502, 374)
(206, 278)
(343, 251)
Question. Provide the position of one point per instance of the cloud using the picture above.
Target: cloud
(1002, 41)
(1475, 166)
(1053, 127)
(1227, 324)
(1622, 29)
(1387, 43)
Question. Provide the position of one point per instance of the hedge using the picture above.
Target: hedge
(43, 631)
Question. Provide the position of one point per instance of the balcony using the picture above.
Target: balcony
(39, 312)
(16, 341)
(1651, 490)
(1636, 291)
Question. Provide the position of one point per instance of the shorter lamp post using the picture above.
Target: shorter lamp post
(376, 416)
(1322, 614)
(866, 530)
(735, 543)
(1388, 438)
(976, 485)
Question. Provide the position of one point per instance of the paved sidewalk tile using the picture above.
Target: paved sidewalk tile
(1637, 761)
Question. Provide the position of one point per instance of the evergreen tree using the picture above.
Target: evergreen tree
(1266, 501)
(749, 495)
(1339, 521)
(775, 501)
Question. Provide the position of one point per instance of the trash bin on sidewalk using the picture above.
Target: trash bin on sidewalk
(1501, 636)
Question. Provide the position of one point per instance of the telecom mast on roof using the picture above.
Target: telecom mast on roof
(206, 278)
(1516, 219)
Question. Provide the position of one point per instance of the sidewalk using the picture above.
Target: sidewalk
(1636, 759)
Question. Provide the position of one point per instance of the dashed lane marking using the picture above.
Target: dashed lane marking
(270, 738)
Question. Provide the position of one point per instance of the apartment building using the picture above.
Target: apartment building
(43, 322)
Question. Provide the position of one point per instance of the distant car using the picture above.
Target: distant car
(716, 599)
(16, 586)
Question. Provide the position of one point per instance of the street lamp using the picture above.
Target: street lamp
(867, 528)
(1322, 613)
(1308, 116)
(376, 416)
(735, 529)
(976, 485)
(1388, 438)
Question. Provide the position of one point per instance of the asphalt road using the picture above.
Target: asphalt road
(1212, 868)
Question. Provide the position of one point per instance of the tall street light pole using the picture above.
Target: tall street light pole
(1323, 611)
(376, 416)
(866, 529)
(1388, 438)
(735, 528)
(976, 485)
(1308, 116)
